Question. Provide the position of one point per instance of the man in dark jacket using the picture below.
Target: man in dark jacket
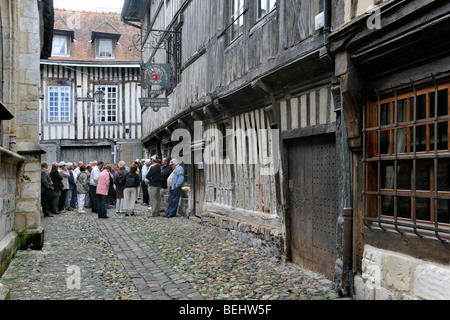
(154, 186)
(166, 170)
(47, 192)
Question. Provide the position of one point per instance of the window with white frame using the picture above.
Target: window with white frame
(59, 104)
(60, 46)
(106, 110)
(265, 6)
(105, 48)
(237, 18)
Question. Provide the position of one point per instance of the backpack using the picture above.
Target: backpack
(130, 180)
(121, 180)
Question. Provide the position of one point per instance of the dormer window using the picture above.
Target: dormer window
(105, 49)
(105, 37)
(60, 46)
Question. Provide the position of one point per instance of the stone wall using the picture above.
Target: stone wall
(263, 237)
(388, 275)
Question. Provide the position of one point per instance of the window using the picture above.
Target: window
(237, 18)
(174, 56)
(106, 110)
(105, 49)
(264, 7)
(60, 47)
(407, 159)
(59, 104)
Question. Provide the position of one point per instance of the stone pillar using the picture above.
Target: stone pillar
(21, 30)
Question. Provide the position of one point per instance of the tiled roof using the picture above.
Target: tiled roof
(86, 23)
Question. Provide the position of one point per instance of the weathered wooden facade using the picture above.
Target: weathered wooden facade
(393, 72)
(93, 51)
(253, 85)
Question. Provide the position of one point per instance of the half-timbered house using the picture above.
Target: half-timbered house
(92, 52)
(252, 82)
(393, 70)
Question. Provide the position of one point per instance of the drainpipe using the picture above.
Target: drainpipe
(327, 20)
(347, 241)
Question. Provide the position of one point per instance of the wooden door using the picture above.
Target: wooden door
(313, 203)
(199, 189)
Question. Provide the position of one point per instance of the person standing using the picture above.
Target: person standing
(154, 182)
(145, 169)
(166, 170)
(102, 191)
(57, 187)
(93, 182)
(71, 199)
(132, 183)
(87, 199)
(82, 188)
(64, 173)
(175, 189)
(47, 192)
(119, 181)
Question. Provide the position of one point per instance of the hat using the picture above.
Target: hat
(62, 163)
(173, 161)
(154, 158)
(70, 164)
(147, 161)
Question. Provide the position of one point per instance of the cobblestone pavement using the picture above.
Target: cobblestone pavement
(134, 258)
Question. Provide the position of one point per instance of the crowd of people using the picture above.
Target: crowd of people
(98, 186)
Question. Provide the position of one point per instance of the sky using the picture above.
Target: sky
(90, 5)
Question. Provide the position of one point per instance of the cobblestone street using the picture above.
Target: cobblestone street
(134, 258)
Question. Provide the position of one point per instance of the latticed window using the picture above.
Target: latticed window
(58, 104)
(106, 110)
(407, 160)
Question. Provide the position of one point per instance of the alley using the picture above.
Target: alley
(137, 258)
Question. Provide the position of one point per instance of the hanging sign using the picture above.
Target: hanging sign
(154, 103)
(158, 74)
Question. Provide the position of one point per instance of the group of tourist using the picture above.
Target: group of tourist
(76, 186)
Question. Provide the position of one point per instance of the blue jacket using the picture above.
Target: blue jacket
(178, 177)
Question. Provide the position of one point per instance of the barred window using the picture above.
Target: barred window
(174, 57)
(106, 110)
(58, 104)
(407, 161)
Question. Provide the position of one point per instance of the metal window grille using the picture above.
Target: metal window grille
(407, 161)
(174, 57)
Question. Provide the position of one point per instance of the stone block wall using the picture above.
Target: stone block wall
(388, 275)
(9, 163)
(263, 237)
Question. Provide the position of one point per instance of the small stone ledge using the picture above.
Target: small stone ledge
(32, 239)
(5, 293)
(259, 236)
(8, 246)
